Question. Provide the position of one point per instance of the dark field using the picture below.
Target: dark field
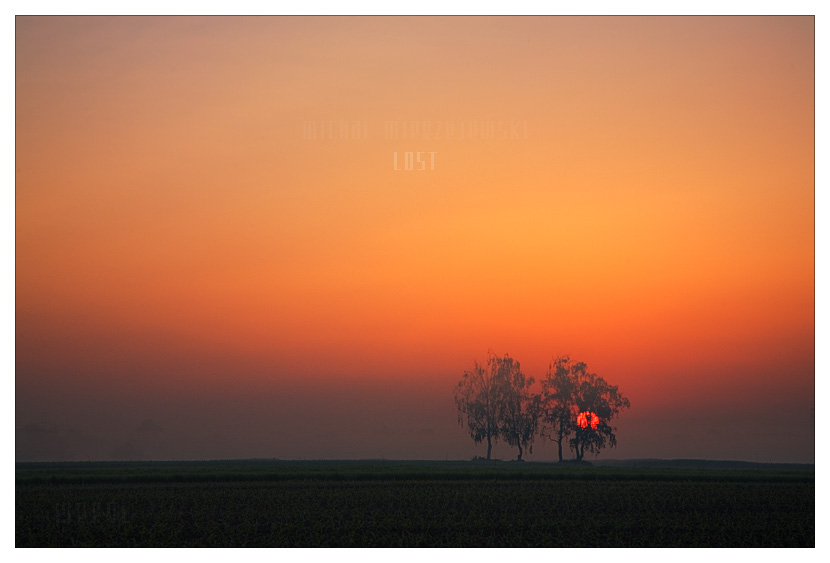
(409, 504)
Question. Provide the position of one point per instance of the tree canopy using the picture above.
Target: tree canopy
(518, 408)
(594, 395)
(574, 407)
(477, 400)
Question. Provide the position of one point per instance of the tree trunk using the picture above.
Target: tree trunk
(559, 442)
(489, 446)
(520, 452)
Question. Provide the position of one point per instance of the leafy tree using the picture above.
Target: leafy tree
(603, 401)
(558, 410)
(518, 408)
(575, 407)
(580, 403)
(477, 399)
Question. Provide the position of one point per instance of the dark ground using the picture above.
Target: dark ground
(645, 503)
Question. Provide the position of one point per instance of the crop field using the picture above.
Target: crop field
(409, 504)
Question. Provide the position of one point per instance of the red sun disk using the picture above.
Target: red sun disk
(586, 418)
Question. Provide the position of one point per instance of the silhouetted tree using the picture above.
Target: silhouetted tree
(477, 399)
(495, 401)
(518, 409)
(558, 408)
(580, 403)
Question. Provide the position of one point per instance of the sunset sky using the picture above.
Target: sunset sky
(216, 256)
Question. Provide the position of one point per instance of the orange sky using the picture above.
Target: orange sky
(187, 254)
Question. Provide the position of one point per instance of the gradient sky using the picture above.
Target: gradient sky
(200, 276)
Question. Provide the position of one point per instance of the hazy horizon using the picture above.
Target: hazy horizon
(288, 237)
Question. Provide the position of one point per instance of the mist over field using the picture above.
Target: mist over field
(358, 422)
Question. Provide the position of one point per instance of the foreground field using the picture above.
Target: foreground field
(340, 504)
